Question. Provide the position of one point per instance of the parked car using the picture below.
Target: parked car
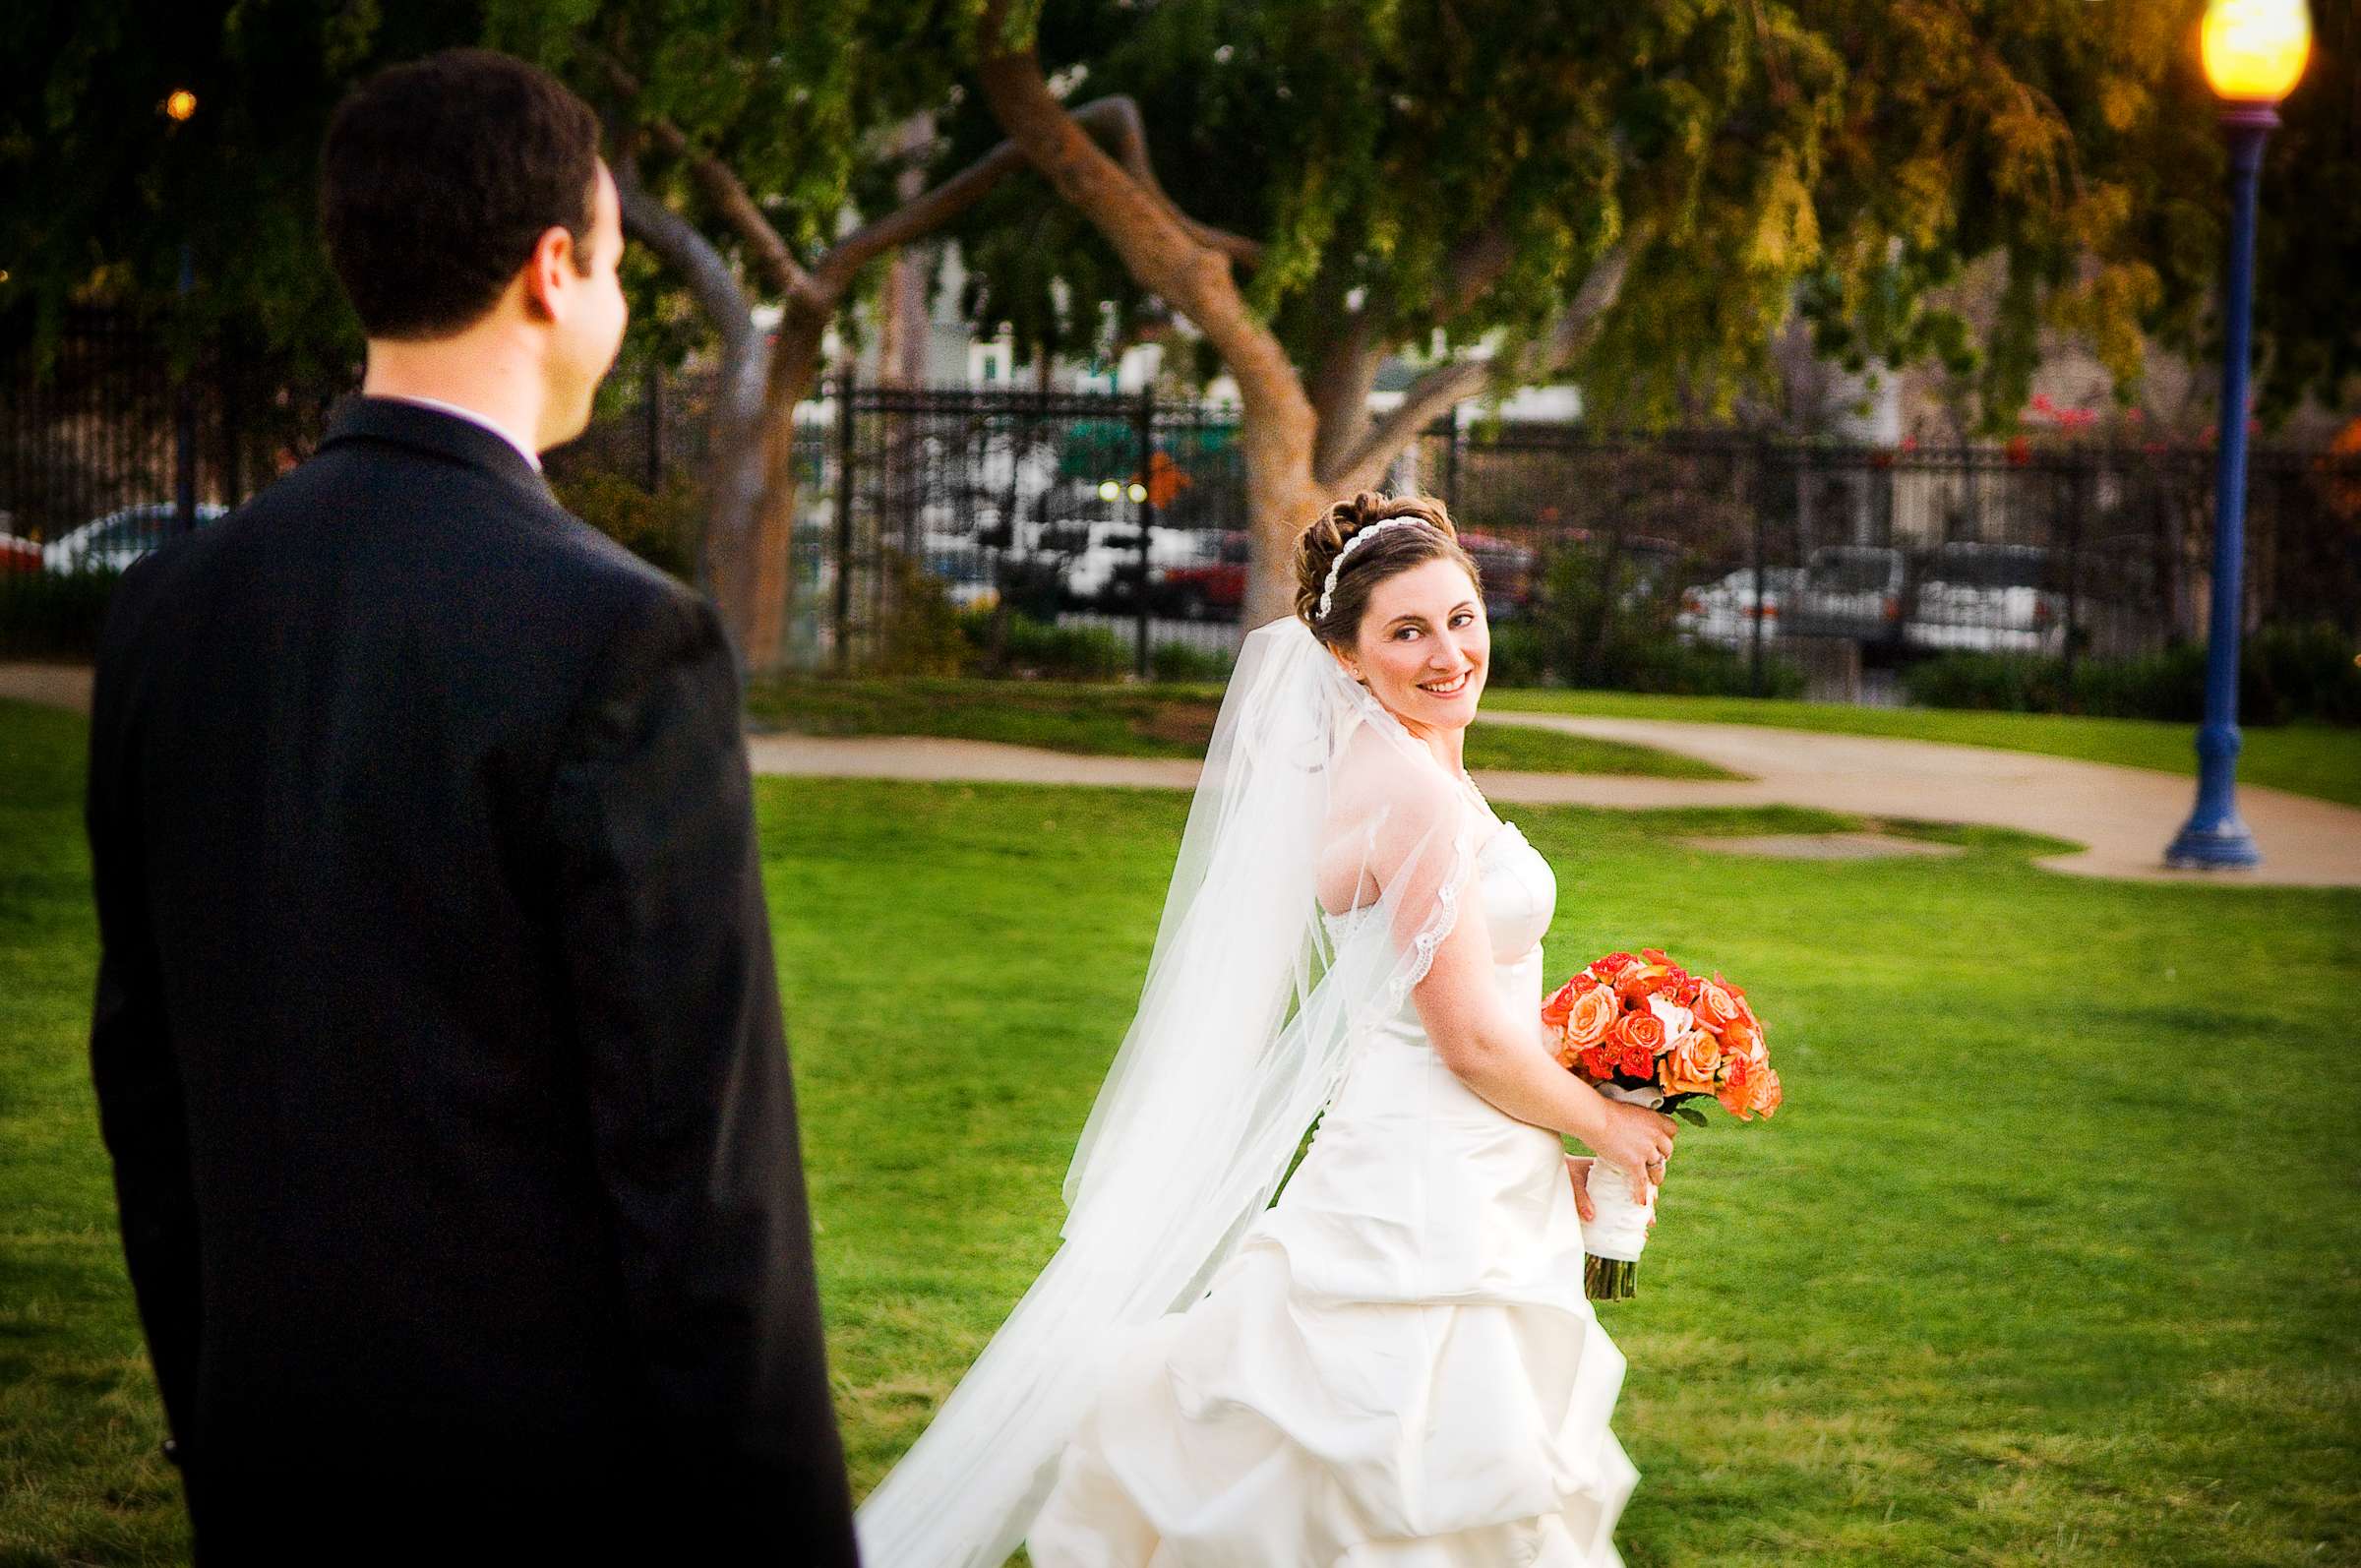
(1849, 591)
(116, 540)
(962, 565)
(1725, 611)
(1104, 570)
(1987, 597)
(1508, 569)
(1210, 587)
(17, 555)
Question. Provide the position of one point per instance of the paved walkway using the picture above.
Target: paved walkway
(2123, 816)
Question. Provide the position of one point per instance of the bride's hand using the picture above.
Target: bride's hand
(1578, 1168)
(1637, 1140)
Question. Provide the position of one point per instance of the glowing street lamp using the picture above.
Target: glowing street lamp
(2255, 50)
(2254, 53)
(181, 104)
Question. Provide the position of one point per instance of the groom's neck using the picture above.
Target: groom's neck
(489, 370)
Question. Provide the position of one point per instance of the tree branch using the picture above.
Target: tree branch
(1115, 119)
(1161, 247)
(721, 188)
(1340, 383)
(1435, 394)
(1130, 138)
(685, 251)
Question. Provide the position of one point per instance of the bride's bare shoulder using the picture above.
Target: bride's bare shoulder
(1377, 775)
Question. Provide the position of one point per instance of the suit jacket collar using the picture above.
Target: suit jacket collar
(441, 435)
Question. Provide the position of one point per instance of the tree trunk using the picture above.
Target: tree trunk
(1282, 500)
(769, 567)
(902, 304)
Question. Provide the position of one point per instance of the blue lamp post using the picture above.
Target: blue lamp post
(2254, 53)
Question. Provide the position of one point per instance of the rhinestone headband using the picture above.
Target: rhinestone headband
(1328, 590)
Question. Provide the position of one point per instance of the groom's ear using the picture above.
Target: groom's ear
(561, 258)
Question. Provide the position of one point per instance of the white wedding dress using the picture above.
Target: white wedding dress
(1397, 1367)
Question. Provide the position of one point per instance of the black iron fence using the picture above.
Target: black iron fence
(1749, 564)
(1130, 514)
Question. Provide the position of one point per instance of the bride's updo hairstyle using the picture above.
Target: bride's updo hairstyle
(1429, 537)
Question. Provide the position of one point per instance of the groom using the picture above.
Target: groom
(437, 1041)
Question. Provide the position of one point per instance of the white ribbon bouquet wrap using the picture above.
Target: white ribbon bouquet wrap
(1618, 1231)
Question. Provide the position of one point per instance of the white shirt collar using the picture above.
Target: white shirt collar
(524, 450)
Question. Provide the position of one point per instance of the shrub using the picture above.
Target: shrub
(1182, 661)
(2285, 674)
(660, 529)
(921, 632)
(1004, 641)
(54, 615)
(1519, 658)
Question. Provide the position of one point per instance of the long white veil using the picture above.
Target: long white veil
(1251, 1000)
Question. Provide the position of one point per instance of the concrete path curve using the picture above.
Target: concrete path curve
(2123, 816)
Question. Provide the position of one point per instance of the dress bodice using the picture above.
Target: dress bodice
(1518, 892)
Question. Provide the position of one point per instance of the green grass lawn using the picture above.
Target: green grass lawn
(2321, 759)
(1144, 720)
(2053, 1256)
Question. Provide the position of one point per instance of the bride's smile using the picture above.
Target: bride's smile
(1424, 648)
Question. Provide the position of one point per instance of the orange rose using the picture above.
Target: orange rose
(1766, 1095)
(1736, 1093)
(1741, 1035)
(1642, 1029)
(1692, 1064)
(1595, 1013)
(1560, 1003)
(1715, 1007)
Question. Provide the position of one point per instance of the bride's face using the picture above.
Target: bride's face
(1423, 646)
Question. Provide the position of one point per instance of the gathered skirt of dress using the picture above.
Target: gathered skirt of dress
(1397, 1369)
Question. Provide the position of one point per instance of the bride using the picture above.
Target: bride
(1395, 1364)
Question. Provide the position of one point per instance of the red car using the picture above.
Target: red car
(1212, 586)
(17, 554)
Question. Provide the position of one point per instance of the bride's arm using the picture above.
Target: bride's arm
(1502, 1056)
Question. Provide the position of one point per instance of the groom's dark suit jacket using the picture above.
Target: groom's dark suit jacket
(437, 1042)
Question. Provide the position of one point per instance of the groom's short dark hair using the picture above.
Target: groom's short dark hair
(437, 178)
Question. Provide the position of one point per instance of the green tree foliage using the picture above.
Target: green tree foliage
(99, 190)
(1855, 155)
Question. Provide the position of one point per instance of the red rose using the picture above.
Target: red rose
(1638, 1062)
(1599, 1062)
(1612, 965)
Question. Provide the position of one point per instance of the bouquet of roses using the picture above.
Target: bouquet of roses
(1643, 1028)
